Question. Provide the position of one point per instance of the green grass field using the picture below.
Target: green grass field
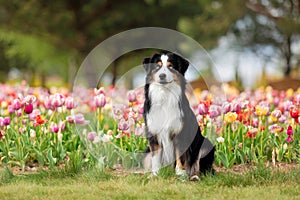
(93, 184)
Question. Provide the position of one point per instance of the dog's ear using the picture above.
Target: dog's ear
(146, 62)
(183, 65)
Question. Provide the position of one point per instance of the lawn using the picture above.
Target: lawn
(259, 183)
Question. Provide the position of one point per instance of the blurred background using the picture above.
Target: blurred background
(253, 42)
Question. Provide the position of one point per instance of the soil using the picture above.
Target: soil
(119, 171)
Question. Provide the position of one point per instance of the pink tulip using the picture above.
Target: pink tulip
(28, 109)
(53, 128)
(4, 121)
(276, 113)
(91, 136)
(33, 114)
(10, 109)
(131, 96)
(69, 103)
(17, 104)
(77, 119)
(214, 111)
(202, 109)
(29, 99)
(100, 101)
(57, 100)
(99, 91)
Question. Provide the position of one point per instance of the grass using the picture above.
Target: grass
(94, 184)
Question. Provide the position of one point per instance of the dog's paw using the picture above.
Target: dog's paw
(180, 172)
(153, 175)
(194, 178)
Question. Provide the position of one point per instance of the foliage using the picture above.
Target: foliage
(49, 129)
(271, 28)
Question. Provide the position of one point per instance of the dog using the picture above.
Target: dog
(172, 129)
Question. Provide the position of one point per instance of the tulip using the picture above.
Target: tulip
(294, 112)
(28, 109)
(226, 107)
(29, 99)
(100, 101)
(297, 100)
(99, 91)
(275, 128)
(230, 117)
(106, 138)
(77, 119)
(91, 136)
(261, 110)
(289, 132)
(57, 100)
(32, 134)
(202, 109)
(17, 104)
(6, 121)
(220, 139)
(252, 133)
(53, 128)
(69, 103)
(214, 111)
(10, 109)
(131, 96)
(276, 113)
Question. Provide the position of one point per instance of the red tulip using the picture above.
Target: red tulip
(294, 112)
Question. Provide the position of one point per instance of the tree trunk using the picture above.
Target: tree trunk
(288, 55)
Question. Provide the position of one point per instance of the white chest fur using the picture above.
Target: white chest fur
(165, 114)
(165, 117)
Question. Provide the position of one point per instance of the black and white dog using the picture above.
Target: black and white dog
(171, 126)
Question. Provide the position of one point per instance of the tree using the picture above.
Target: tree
(274, 24)
(79, 25)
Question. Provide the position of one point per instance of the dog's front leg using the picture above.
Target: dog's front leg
(156, 161)
(156, 155)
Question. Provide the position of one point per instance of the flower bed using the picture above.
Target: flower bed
(106, 127)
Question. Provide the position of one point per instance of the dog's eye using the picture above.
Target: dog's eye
(169, 64)
(159, 63)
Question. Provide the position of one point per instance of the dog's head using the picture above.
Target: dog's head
(164, 68)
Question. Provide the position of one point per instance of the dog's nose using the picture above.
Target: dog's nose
(162, 76)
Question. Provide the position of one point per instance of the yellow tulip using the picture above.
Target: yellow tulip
(261, 111)
(230, 117)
